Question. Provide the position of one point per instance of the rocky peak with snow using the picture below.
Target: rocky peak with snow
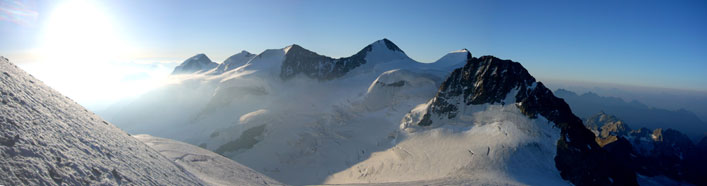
(198, 63)
(388, 44)
(607, 128)
(383, 50)
(299, 60)
(490, 80)
(235, 61)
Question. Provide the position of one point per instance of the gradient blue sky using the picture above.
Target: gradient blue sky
(643, 43)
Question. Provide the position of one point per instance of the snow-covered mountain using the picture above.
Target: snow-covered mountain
(379, 116)
(48, 139)
(197, 63)
(515, 128)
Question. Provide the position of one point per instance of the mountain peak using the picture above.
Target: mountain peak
(391, 45)
(604, 126)
(234, 61)
(454, 59)
(463, 50)
(382, 50)
(297, 48)
(243, 53)
(299, 60)
(200, 55)
(197, 63)
(385, 43)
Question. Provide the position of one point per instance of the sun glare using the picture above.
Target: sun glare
(83, 53)
(81, 27)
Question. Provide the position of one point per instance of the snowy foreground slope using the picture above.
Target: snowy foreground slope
(48, 139)
(377, 117)
(210, 167)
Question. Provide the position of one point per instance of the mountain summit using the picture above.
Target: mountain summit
(299, 60)
(197, 63)
(235, 61)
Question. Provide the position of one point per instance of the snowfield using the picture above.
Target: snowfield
(210, 167)
(500, 145)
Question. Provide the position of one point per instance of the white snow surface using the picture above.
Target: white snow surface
(233, 62)
(48, 139)
(496, 145)
(210, 167)
(451, 60)
(304, 131)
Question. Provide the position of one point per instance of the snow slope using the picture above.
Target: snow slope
(489, 144)
(234, 61)
(210, 167)
(48, 139)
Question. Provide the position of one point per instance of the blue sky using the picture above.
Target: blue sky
(643, 43)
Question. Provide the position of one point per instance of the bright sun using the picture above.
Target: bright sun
(81, 30)
(83, 54)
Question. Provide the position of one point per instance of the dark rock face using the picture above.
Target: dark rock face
(621, 153)
(667, 152)
(488, 80)
(302, 61)
(482, 80)
(391, 45)
(648, 152)
(394, 84)
(700, 166)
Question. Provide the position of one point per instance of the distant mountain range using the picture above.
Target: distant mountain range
(634, 112)
(657, 152)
